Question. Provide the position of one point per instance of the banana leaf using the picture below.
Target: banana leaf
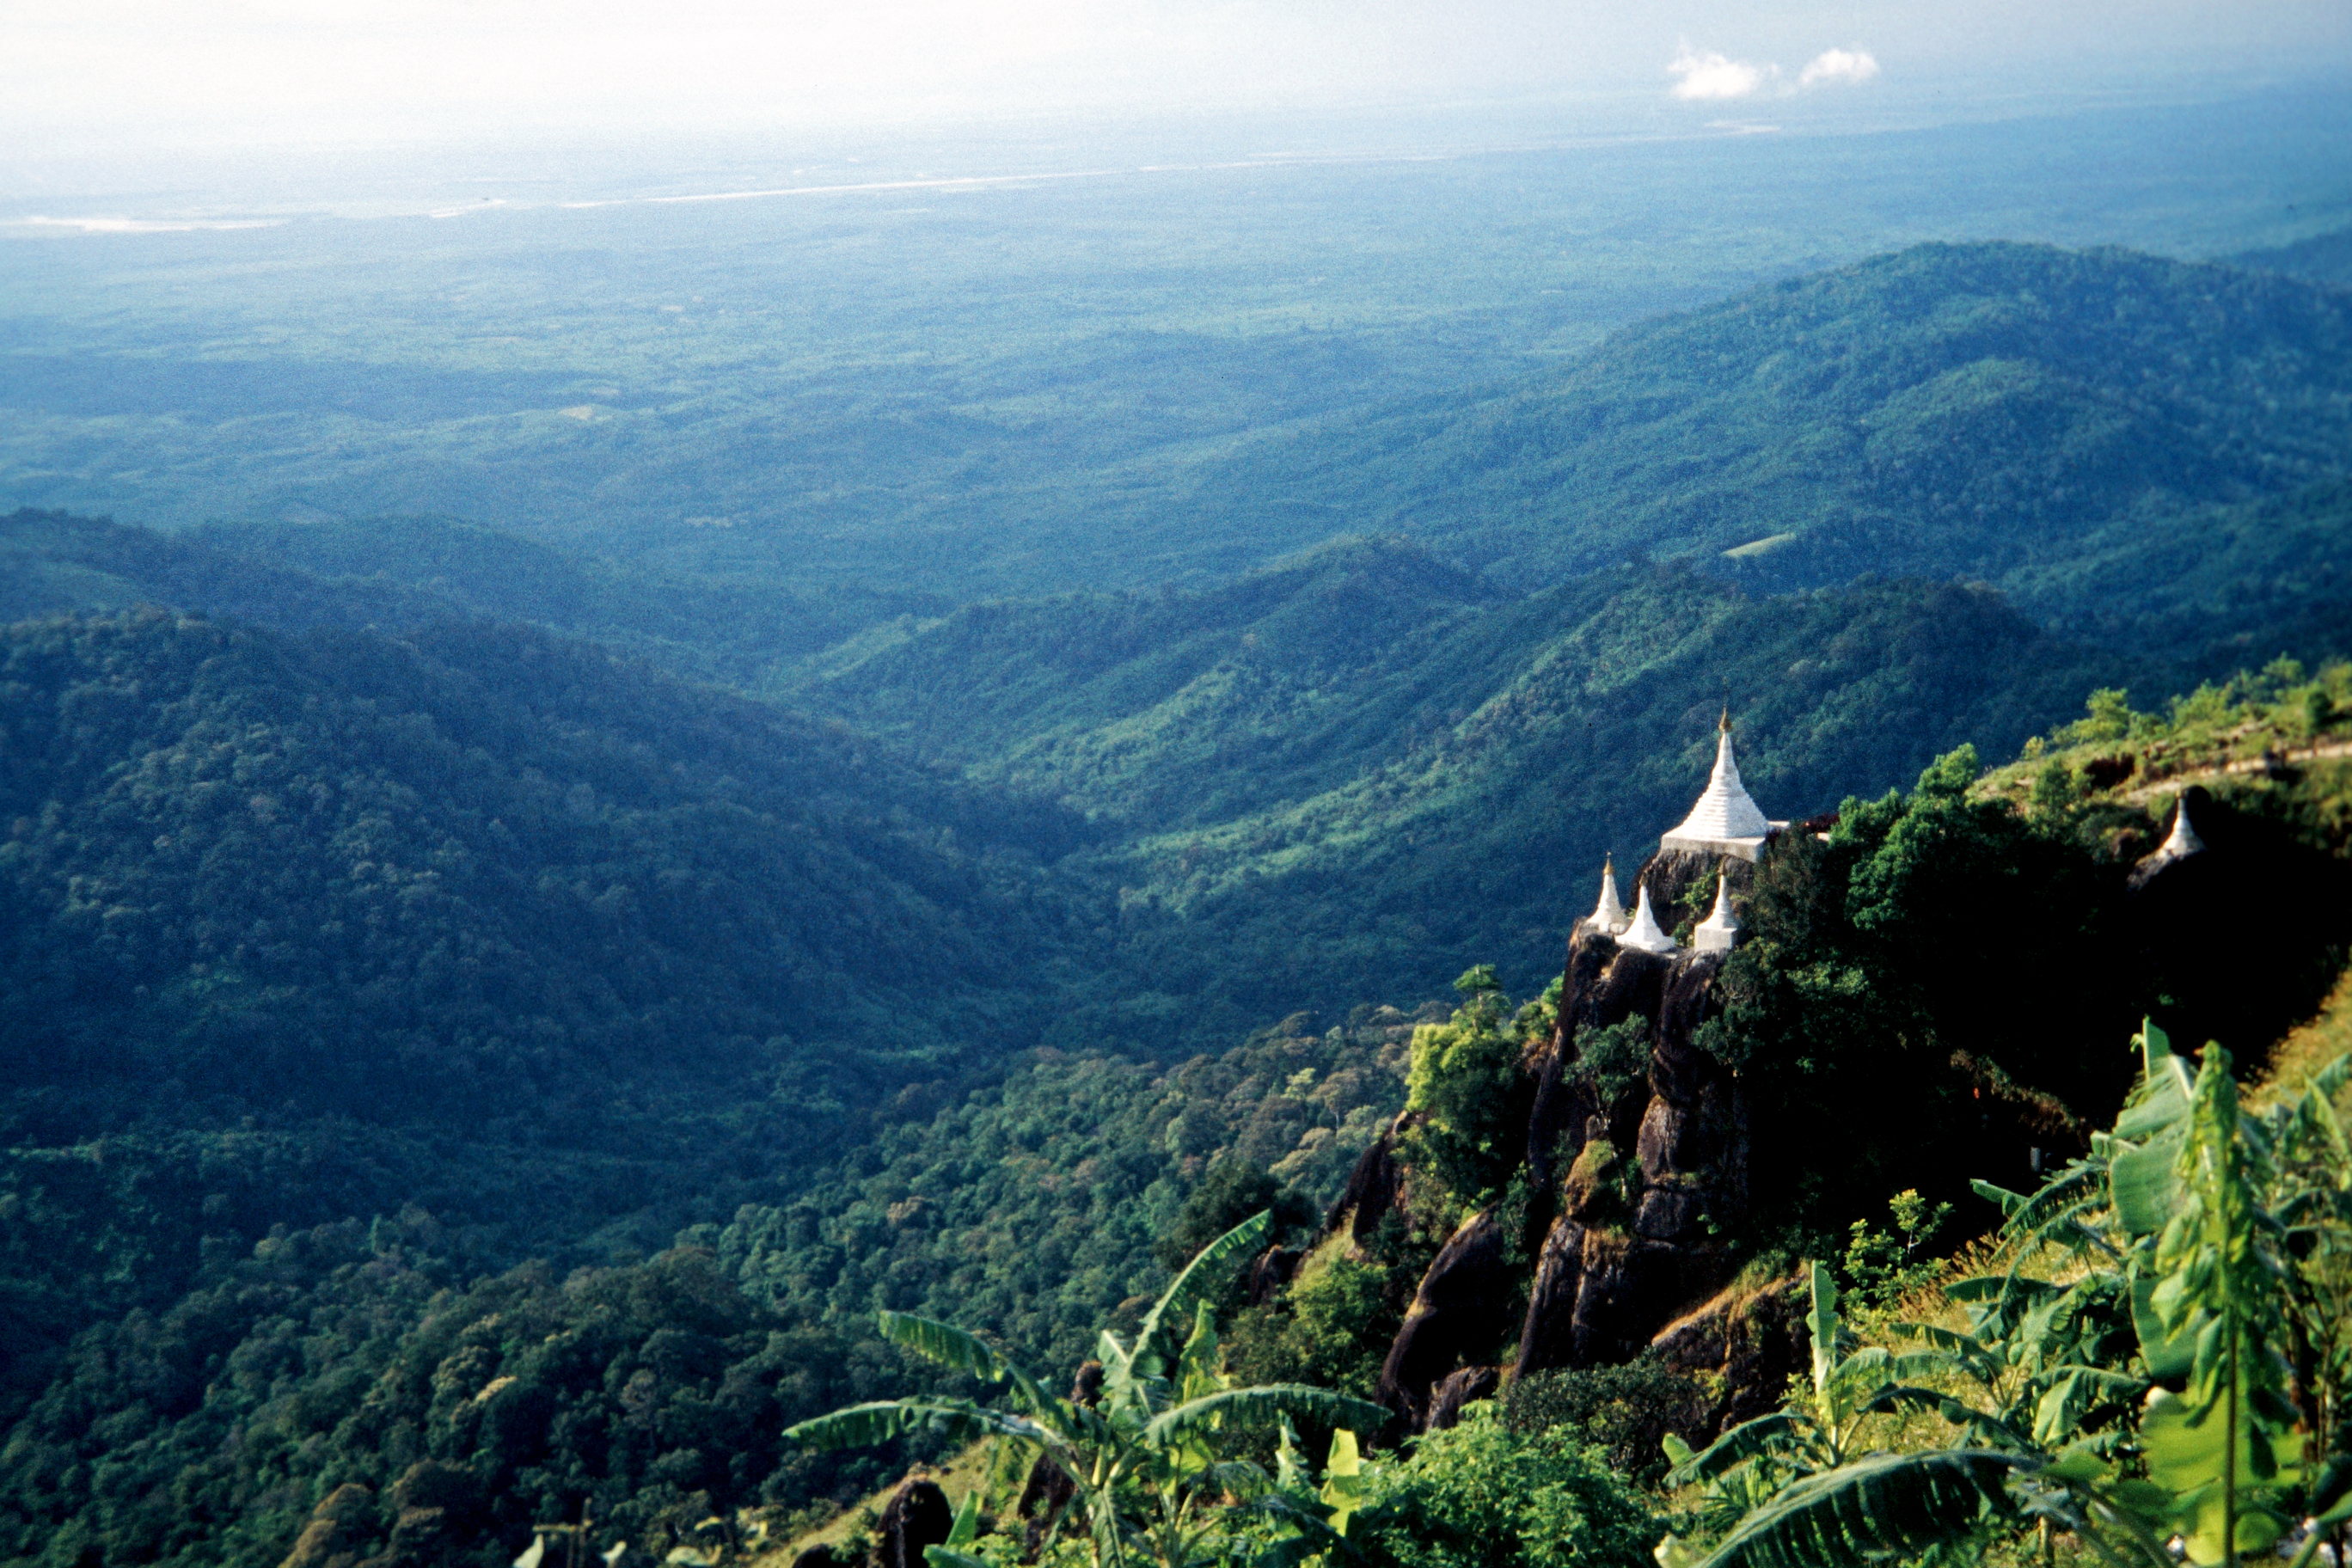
(879, 1421)
(1261, 1406)
(1155, 1341)
(953, 1347)
(1882, 1506)
(1759, 1435)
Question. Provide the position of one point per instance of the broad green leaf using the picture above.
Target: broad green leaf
(879, 1421)
(942, 1343)
(2001, 1198)
(1196, 1368)
(1886, 1505)
(951, 1346)
(1963, 1350)
(948, 1557)
(1345, 1485)
(1238, 1409)
(2168, 1355)
(2074, 1392)
(1823, 1322)
(966, 1529)
(2143, 1182)
(1761, 1433)
(2186, 1458)
(1199, 1280)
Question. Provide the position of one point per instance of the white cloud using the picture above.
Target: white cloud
(1711, 77)
(1838, 65)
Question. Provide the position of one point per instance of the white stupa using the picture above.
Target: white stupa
(1609, 915)
(1724, 821)
(2182, 841)
(1644, 933)
(1720, 929)
(2178, 846)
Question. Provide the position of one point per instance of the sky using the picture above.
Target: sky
(149, 76)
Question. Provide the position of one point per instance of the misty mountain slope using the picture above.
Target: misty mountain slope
(1950, 409)
(2323, 257)
(2213, 585)
(401, 572)
(1180, 707)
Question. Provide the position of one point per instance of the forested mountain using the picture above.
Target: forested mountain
(2324, 257)
(1301, 778)
(483, 921)
(1951, 408)
(417, 571)
(436, 900)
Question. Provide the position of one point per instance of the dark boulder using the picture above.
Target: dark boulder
(1043, 1496)
(1375, 1187)
(1454, 1318)
(1270, 1272)
(1468, 1386)
(917, 1516)
(1747, 1344)
(1548, 1333)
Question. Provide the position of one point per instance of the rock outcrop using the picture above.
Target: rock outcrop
(1462, 1388)
(917, 1515)
(1452, 1318)
(1646, 1183)
(1749, 1343)
(1640, 1171)
(1375, 1187)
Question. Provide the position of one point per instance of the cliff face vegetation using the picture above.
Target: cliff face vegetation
(1924, 994)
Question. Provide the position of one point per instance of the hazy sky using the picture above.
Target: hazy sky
(141, 75)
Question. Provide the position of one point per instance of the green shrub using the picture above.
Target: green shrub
(1625, 1411)
(1480, 1495)
(1465, 1075)
(1332, 1329)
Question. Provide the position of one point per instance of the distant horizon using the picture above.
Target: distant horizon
(244, 181)
(133, 85)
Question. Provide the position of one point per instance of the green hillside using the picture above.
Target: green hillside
(1356, 773)
(485, 920)
(417, 571)
(1951, 408)
(2323, 257)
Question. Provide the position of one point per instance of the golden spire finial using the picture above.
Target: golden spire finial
(1724, 724)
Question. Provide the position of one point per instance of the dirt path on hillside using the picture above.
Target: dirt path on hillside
(2175, 782)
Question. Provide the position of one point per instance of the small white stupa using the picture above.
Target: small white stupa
(1720, 929)
(1609, 915)
(1644, 933)
(2182, 841)
(2178, 846)
(1724, 821)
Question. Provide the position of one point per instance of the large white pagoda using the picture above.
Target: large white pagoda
(1724, 821)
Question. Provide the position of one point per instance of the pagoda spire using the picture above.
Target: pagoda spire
(1609, 915)
(2182, 841)
(1720, 929)
(1643, 934)
(1725, 814)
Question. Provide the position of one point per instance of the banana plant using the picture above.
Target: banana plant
(2197, 1245)
(1144, 1457)
(1799, 1484)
